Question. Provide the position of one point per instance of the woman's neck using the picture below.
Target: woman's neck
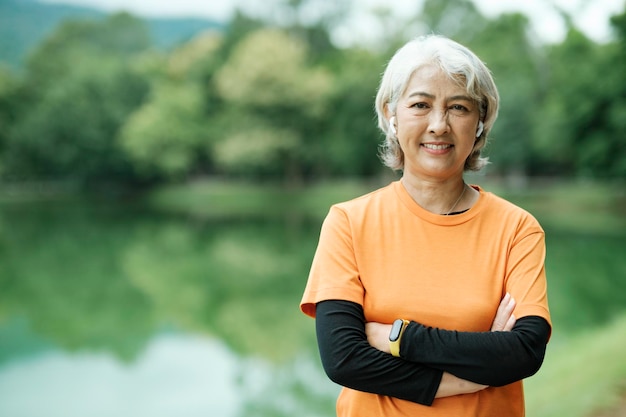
(439, 197)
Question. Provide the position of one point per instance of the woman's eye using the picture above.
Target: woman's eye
(458, 107)
(420, 105)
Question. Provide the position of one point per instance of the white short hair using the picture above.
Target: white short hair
(461, 65)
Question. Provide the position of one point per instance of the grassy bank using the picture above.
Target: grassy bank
(581, 377)
(213, 199)
(571, 205)
(580, 206)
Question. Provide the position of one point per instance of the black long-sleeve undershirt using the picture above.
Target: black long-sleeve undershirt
(490, 358)
(350, 361)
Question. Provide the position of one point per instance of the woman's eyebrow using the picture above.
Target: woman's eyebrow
(421, 93)
(432, 96)
(461, 97)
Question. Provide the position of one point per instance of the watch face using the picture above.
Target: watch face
(394, 334)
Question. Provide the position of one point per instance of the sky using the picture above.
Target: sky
(591, 16)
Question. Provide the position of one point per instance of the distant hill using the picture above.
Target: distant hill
(25, 23)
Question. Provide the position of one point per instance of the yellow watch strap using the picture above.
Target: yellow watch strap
(395, 345)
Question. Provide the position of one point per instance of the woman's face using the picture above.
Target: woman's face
(436, 123)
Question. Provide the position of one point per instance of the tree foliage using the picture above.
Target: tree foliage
(276, 100)
(96, 103)
(518, 67)
(163, 135)
(582, 124)
(77, 92)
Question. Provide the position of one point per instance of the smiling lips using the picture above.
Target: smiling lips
(437, 147)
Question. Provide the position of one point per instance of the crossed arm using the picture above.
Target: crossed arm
(435, 363)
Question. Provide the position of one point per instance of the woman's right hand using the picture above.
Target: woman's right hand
(452, 385)
(505, 319)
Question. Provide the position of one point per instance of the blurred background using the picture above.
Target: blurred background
(165, 168)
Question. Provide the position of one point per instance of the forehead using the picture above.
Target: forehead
(431, 79)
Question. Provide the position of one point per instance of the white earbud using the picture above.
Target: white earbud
(392, 126)
(479, 131)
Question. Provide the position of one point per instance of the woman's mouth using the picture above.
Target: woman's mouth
(437, 147)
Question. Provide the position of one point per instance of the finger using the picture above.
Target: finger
(501, 317)
(510, 323)
(503, 305)
(507, 320)
(510, 306)
(505, 310)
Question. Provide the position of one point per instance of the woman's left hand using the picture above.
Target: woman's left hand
(378, 335)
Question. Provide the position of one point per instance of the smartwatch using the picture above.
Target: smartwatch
(395, 336)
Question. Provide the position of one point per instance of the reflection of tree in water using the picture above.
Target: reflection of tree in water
(109, 279)
(60, 270)
(296, 388)
(240, 282)
(103, 279)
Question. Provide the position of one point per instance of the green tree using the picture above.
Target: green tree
(275, 102)
(166, 135)
(581, 126)
(518, 66)
(79, 45)
(457, 19)
(79, 87)
(171, 135)
(69, 133)
(349, 142)
(240, 26)
(8, 95)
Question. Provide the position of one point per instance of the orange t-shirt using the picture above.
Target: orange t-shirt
(386, 253)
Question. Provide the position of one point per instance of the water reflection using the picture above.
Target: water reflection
(107, 311)
(115, 311)
(175, 375)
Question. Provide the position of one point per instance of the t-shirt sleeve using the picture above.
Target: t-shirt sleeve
(525, 273)
(334, 273)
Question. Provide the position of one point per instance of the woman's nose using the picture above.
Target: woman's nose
(438, 123)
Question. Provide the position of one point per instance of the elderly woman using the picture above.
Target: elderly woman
(430, 294)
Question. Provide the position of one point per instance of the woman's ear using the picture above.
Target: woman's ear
(387, 112)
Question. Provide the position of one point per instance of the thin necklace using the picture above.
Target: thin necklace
(457, 200)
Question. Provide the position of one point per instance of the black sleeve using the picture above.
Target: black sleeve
(489, 358)
(350, 360)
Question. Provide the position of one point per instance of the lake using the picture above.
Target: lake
(114, 310)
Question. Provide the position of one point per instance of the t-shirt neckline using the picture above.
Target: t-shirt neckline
(440, 219)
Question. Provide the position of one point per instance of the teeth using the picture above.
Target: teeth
(436, 147)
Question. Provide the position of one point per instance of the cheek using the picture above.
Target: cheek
(466, 133)
(411, 126)
(466, 144)
(469, 142)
